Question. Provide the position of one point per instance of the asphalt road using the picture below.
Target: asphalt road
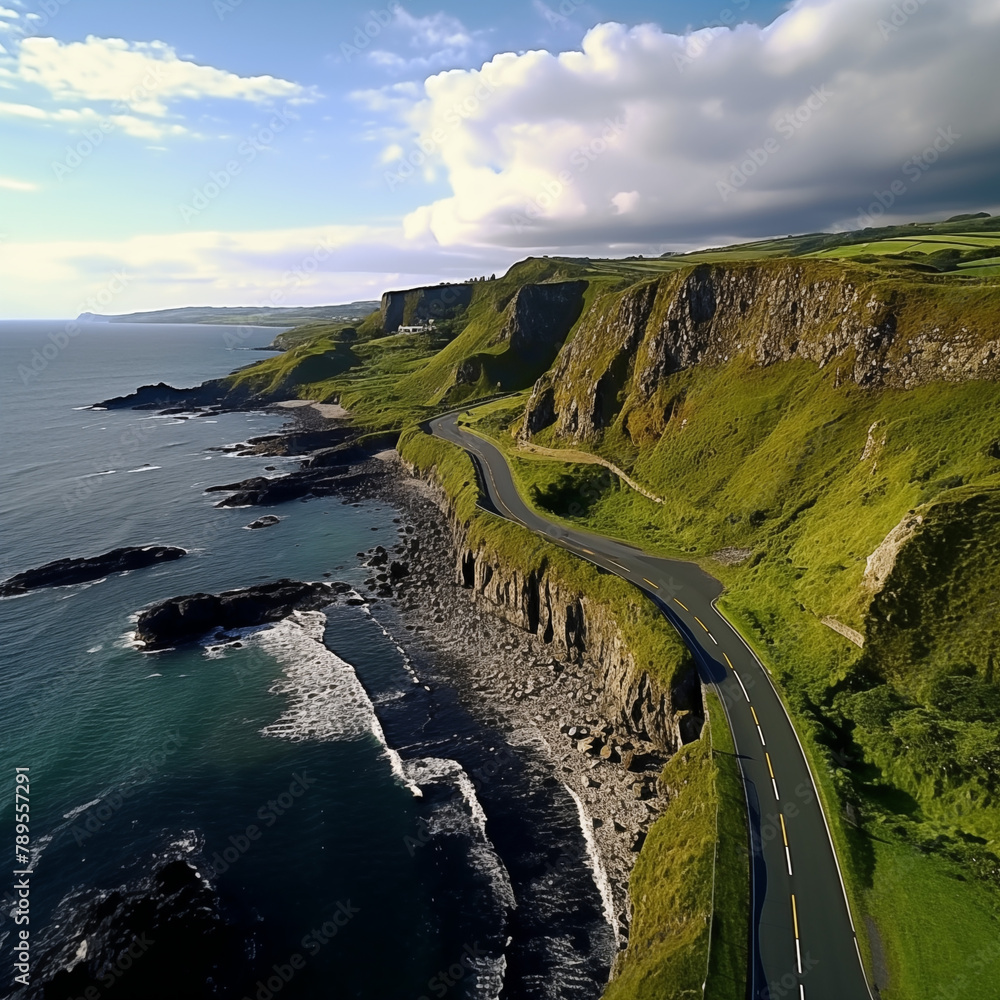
(803, 941)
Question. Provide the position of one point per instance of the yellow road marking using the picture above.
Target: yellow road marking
(589, 553)
(684, 606)
(784, 832)
(755, 719)
(650, 582)
(730, 662)
(771, 769)
(795, 917)
(701, 623)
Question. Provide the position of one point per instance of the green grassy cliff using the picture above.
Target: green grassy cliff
(821, 418)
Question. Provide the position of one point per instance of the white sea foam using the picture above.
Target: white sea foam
(464, 817)
(595, 865)
(326, 699)
(73, 813)
(146, 468)
(96, 649)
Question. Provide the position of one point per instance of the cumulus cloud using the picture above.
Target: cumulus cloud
(742, 131)
(146, 75)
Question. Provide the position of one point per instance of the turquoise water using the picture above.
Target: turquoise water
(135, 758)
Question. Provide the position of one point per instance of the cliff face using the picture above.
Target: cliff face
(417, 305)
(534, 326)
(875, 331)
(582, 631)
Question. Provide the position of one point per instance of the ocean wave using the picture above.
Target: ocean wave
(146, 468)
(461, 815)
(596, 866)
(326, 699)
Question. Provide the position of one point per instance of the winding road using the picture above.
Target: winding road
(803, 940)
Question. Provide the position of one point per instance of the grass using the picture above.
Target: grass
(770, 460)
(691, 884)
(671, 887)
(807, 473)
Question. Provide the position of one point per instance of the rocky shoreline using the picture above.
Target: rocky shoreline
(507, 677)
(511, 679)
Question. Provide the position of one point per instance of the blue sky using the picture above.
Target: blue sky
(234, 152)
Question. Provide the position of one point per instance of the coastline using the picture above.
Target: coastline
(509, 679)
(506, 677)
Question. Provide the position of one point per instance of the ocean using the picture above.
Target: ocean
(315, 803)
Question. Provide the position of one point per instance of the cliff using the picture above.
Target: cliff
(417, 305)
(536, 593)
(875, 330)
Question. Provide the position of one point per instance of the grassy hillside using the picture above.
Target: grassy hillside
(818, 501)
(803, 479)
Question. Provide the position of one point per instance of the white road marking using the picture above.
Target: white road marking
(744, 689)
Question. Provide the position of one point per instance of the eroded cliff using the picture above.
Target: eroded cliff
(876, 331)
(583, 630)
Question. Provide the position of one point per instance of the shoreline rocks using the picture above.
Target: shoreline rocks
(187, 618)
(64, 572)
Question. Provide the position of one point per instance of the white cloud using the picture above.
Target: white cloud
(440, 40)
(82, 118)
(9, 15)
(625, 201)
(147, 76)
(10, 184)
(301, 266)
(545, 149)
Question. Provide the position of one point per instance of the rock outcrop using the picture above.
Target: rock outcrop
(63, 572)
(183, 619)
(872, 332)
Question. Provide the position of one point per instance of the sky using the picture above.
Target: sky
(256, 152)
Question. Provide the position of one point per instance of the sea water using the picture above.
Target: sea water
(446, 858)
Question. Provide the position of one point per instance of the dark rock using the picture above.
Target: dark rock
(162, 396)
(264, 522)
(182, 619)
(379, 556)
(261, 491)
(63, 572)
(165, 927)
